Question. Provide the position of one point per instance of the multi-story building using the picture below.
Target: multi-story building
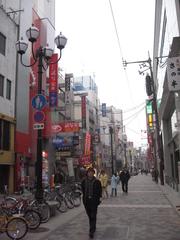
(86, 106)
(8, 73)
(166, 50)
(111, 139)
(18, 86)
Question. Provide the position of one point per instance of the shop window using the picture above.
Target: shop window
(4, 135)
(2, 44)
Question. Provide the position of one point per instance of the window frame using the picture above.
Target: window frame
(8, 89)
(2, 85)
(2, 44)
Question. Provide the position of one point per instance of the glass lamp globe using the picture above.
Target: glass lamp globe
(21, 46)
(32, 34)
(48, 52)
(60, 41)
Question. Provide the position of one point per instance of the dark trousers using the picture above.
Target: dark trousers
(91, 211)
(125, 187)
(113, 191)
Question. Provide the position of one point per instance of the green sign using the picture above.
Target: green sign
(148, 106)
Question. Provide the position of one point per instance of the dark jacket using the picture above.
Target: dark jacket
(58, 178)
(96, 192)
(124, 176)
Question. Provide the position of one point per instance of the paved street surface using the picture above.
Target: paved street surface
(145, 213)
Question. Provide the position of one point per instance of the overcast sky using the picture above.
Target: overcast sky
(93, 48)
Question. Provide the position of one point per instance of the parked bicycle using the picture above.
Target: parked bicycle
(15, 227)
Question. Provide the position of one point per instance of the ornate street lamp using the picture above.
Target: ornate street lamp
(42, 56)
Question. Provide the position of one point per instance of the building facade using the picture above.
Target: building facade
(8, 73)
(166, 46)
(18, 86)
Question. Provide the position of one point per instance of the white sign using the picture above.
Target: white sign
(37, 126)
(173, 73)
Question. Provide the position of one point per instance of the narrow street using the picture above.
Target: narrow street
(143, 214)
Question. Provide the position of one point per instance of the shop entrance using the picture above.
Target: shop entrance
(4, 177)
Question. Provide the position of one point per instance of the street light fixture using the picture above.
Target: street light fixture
(42, 56)
(112, 159)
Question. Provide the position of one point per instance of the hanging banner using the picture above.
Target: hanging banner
(103, 109)
(53, 81)
(85, 160)
(87, 146)
(68, 82)
(83, 111)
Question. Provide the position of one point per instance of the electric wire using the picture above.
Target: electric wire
(120, 49)
(133, 108)
(135, 114)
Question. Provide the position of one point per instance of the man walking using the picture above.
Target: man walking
(92, 192)
(124, 178)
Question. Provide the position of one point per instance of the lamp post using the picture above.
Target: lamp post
(112, 160)
(42, 57)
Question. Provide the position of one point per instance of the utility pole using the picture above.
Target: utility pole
(112, 160)
(157, 126)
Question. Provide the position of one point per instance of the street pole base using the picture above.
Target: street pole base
(39, 195)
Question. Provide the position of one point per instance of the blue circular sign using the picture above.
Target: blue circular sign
(39, 116)
(39, 101)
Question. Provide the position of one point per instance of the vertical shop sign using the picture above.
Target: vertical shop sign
(83, 111)
(173, 73)
(53, 81)
(68, 82)
(104, 109)
(87, 146)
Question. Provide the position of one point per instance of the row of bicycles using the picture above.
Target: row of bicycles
(20, 214)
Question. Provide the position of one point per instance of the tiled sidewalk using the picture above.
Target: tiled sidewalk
(145, 213)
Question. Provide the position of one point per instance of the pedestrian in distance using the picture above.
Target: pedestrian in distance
(104, 183)
(58, 178)
(92, 193)
(124, 178)
(114, 183)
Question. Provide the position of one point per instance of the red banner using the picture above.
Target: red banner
(66, 127)
(85, 160)
(53, 81)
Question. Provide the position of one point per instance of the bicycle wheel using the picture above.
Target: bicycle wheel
(44, 210)
(33, 219)
(77, 199)
(69, 201)
(10, 201)
(61, 207)
(3, 219)
(16, 228)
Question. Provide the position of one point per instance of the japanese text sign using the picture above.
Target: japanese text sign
(173, 73)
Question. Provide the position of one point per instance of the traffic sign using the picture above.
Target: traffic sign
(39, 116)
(39, 101)
(37, 126)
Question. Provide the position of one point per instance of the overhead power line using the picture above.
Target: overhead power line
(133, 108)
(120, 49)
(135, 114)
